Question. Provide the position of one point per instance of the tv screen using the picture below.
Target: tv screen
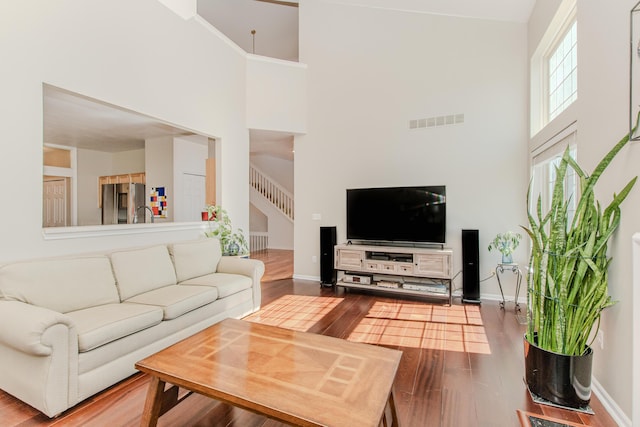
(397, 214)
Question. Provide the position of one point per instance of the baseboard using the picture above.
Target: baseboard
(508, 298)
(302, 277)
(609, 404)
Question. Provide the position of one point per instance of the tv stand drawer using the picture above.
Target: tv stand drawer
(348, 259)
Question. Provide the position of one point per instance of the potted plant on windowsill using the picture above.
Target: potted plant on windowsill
(567, 284)
(232, 243)
(506, 243)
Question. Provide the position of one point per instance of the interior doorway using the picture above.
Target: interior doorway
(56, 202)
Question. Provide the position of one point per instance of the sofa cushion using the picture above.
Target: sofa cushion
(226, 284)
(100, 325)
(62, 285)
(142, 270)
(196, 258)
(177, 300)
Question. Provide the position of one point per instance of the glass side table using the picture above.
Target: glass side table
(500, 269)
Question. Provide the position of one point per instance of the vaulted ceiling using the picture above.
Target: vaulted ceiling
(72, 120)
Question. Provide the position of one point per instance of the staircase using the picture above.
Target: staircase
(272, 191)
(276, 203)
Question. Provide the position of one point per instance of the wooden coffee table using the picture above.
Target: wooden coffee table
(298, 378)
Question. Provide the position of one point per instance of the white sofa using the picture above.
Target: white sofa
(71, 327)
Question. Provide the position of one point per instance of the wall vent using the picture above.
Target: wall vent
(429, 122)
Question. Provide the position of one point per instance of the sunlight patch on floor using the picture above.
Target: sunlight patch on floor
(455, 328)
(296, 312)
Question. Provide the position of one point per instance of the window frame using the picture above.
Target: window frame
(542, 171)
(541, 129)
(564, 29)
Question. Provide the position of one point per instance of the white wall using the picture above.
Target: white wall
(93, 164)
(160, 171)
(276, 94)
(189, 157)
(131, 161)
(259, 222)
(602, 112)
(279, 170)
(603, 116)
(280, 228)
(370, 71)
(138, 55)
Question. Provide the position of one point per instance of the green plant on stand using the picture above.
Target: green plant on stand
(506, 243)
(232, 243)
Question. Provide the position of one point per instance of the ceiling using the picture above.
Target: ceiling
(70, 119)
(73, 120)
(276, 22)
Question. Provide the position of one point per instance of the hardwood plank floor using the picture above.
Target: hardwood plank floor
(461, 365)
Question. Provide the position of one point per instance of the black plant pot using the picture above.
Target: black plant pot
(562, 380)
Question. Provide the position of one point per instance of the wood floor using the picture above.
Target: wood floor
(461, 365)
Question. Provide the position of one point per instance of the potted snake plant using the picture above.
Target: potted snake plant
(568, 284)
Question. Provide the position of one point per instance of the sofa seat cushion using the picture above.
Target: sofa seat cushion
(226, 284)
(195, 258)
(100, 325)
(141, 270)
(61, 285)
(177, 300)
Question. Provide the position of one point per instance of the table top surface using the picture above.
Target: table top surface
(296, 377)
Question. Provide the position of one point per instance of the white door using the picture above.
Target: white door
(194, 196)
(54, 209)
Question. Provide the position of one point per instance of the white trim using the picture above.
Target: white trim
(635, 335)
(565, 14)
(71, 172)
(268, 59)
(609, 404)
(553, 140)
(522, 299)
(58, 171)
(79, 232)
(312, 278)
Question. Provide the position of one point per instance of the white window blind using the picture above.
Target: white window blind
(543, 171)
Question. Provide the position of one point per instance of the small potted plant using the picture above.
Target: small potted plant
(232, 243)
(506, 243)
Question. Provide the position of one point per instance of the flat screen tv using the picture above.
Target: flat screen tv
(397, 214)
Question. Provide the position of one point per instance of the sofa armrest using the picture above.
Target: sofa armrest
(247, 267)
(23, 327)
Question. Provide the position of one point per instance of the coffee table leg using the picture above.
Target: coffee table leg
(153, 403)
(391, 406)
(394, 415)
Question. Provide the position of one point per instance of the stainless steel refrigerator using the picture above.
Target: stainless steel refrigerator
(123, 203)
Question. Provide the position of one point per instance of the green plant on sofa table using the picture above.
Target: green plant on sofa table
(505, 243)
(232, 243)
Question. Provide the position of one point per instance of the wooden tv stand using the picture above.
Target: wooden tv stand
(412, 271)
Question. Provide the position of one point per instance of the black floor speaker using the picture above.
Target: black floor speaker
(470, 266)
(328, 238)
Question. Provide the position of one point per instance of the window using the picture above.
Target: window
(562, 73)
(543, 173)
(554, 72)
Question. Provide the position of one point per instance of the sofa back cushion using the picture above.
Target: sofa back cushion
(142, 270)
(62, 285)
(196, 258)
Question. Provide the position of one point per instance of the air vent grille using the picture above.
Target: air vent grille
(437, 121)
